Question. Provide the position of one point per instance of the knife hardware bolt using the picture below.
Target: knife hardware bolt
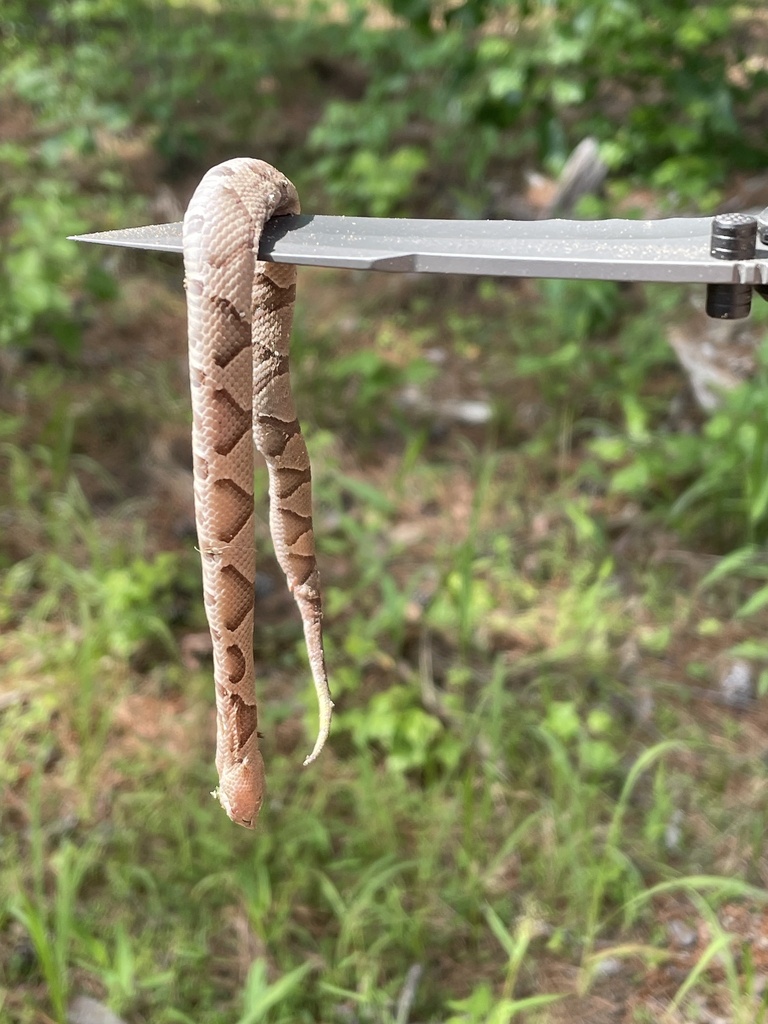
(734, 237)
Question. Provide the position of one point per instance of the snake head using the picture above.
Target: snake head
(241, 790)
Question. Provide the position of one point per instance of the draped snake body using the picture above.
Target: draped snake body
(240, 311)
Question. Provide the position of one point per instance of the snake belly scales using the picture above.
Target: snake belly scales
(240, 311)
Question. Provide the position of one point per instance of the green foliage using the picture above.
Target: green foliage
(52, 924)
(484, 81)
(78, 571)
(260, 996)
(596, 756)
(367, 381)
(43, 275)
(411, 738)
(492, 795)
(712, 483)
(468, 90)
(748, 1000)
(122, 965)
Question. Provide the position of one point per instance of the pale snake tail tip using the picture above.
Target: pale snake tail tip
(322, 735)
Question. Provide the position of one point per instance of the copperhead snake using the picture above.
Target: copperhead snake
(240, 311)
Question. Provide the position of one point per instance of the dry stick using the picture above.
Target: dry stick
(408, 994)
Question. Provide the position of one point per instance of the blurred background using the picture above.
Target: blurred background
(541, 510)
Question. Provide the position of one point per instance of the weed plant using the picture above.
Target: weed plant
(535, 784)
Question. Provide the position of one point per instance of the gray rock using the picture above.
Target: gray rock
(737, 683)
(681, 934)
(84, 1010)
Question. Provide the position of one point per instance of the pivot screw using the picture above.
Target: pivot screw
(734, 237)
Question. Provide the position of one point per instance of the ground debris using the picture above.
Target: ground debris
(84, 1010)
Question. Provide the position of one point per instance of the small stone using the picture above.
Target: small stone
(681, 934)
(466, 411)
(673, 833)
(607, 968)
(737, 683)
(84, 1010)
(436, 355)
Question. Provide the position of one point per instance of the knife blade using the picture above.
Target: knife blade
(674, 249)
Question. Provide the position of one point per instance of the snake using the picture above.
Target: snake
(239, 318)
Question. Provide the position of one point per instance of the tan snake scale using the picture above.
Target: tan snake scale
(240, 311)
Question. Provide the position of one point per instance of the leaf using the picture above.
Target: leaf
(758, 601)
(759, 504)
(260, 996)
(732, 563)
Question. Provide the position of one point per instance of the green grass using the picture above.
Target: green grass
(531, 777)
(491, 804)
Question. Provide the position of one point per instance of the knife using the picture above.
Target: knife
(725, 252)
